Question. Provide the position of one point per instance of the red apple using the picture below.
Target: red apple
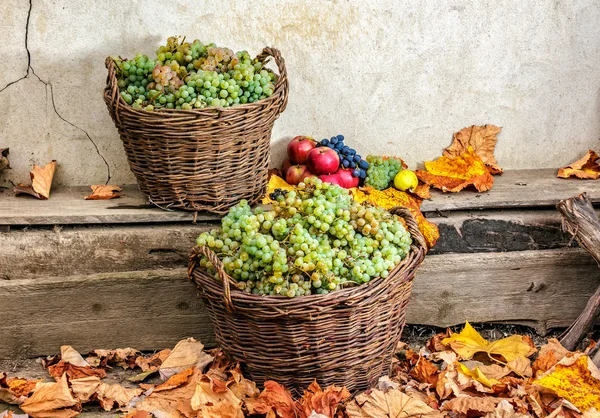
(348, 181)
(284, 168)
(299, 147)
(297, 174)
(323, 160)
(332, 178)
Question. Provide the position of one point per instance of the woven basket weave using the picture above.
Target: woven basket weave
(201, 159)
(347, 337)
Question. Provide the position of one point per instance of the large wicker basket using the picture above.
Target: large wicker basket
(347, 337)
(202, 159)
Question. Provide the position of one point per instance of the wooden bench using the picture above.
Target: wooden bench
(113, 273)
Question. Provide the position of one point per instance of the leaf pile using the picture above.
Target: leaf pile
(458, 375)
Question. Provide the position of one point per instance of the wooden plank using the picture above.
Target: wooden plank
(146, 310)
(83, 250)
(66, 206)
(153, 309)
(515, 189)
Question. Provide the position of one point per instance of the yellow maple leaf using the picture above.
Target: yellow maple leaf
(477, 375)
(469, 342)
(275, 182)
(576, 379)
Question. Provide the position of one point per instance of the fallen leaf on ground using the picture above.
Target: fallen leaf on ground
(11, 414)
(494, 371)
(122, 357)
(8, 393)
(275, 182)
(104, 192)
(109, 395)
(575, 379)
(422, 191)
(483, 141)
(435, 343)
(550, 354)
(215, 403)
(323, 402)
(584, 168)
(4, 163)
(390, 198)
(84, 388)
(468, 342)
(393, 403)
(505, 410)
(187, 353)
(74, 372)
(521, 366)
(176, 380)
(454, 174)
(242, 387)
(425, 371)
(275, 400)
(153, 362)
(41, 181)
(52, 400)
(139, 414)
(69, 355)
(472, 405)
(477, 375)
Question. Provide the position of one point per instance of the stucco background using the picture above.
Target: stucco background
(393, 77)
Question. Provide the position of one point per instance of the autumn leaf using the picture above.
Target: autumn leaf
(52, 400)
(240, 386)
(274, 399)
(483, 141)
(215, 403)
(11, 414)
(323, 402)
(477, 375)
(454, 174)
(69, 355)
(109, 395)
(575, 379)
(425, 371)
(473, 405)
(393, 403)
(41, 181)
(16, 393)
(422, 191)
(84, 388)
(176, 380)
(390, 198)
(435, 343)
(153, 362)
(505, 410)
(74, 372)
(187, 353)
(550, 354)
(468, 342)
(104, 192)
(139, 414)
(275, 182)
(122, 357)
(584, 168)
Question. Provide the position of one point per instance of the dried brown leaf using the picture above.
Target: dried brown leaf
(85, 388)
(176, 380)
(505, 410)
(69, 355)
(74, 372)
(109, 395)
(41, 181)
(122, 357)
(275, 400)
(472, 405)
(483, 141)
(240, 386)
(324, 402)
(425, 371)
(584, 168)
(550, 355)
(187, 353)
(104, 192)
(393, 403)
(11, 414)
(435, 343)
(52, 400)
(214, 403)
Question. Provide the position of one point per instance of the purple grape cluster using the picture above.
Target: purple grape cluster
(348, 156)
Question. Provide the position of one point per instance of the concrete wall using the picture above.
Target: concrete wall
(393, 77)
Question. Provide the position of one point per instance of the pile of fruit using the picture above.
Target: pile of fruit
(316, 239)
(335, 162)
(192, 75)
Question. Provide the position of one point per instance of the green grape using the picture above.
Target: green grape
(381, 171)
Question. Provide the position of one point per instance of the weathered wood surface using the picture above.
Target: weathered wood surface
(513, 189)
(72, 250)
(153, 310)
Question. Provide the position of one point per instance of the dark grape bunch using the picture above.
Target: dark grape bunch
(348, 156)
(193, 75)
(314, 240)
(382, 171)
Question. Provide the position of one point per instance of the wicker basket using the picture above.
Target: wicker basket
(347, 337)
(202, 159)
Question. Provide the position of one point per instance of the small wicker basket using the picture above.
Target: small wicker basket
(347, 337)
(201, 159)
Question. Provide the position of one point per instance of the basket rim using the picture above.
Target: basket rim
(281, 87)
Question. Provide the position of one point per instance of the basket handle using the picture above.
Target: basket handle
(225, 278)
(112, 87)
(282, 80)
(412, 225)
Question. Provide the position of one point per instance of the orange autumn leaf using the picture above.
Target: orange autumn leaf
(422, 191)
(73, 371)
(584, 168)
(104, 192)
(275, 400)
(390, 198)
(425, 371)
(324, 402)
(483, 141)
(52, 400)
(41, 181)
(550, 355)
(452, 174)
(575, 379)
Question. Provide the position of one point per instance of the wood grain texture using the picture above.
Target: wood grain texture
(153, 309)
(513, 189)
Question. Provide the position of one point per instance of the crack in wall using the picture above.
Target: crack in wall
(30, 70)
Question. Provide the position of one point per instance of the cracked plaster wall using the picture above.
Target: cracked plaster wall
(393, 77)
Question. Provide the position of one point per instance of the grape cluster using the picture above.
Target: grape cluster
(382, 171)
(315, 240)
(348, 156)
(193, 75)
